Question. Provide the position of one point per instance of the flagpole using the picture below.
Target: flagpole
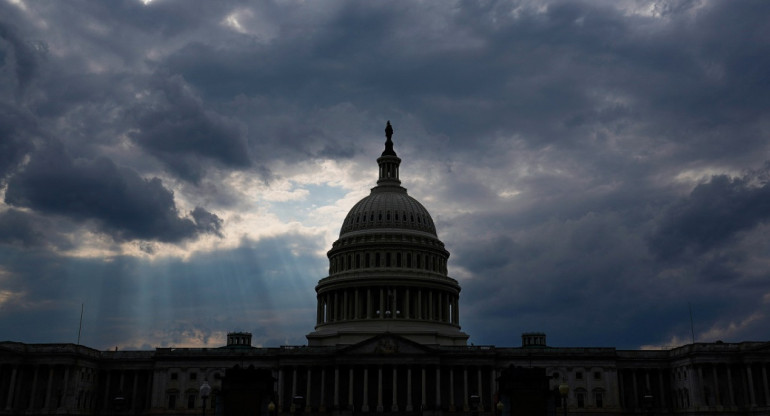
(80, 327)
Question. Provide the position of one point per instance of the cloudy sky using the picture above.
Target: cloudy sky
(597, 169)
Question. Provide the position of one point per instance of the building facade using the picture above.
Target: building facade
(387, 340)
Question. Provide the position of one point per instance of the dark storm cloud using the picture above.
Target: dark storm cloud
(122, 203)
(173, 125)
(18, 56)
(16, 134)
(588, 112)
(17, 227)
(712, 215)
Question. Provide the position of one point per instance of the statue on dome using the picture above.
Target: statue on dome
(388, 131)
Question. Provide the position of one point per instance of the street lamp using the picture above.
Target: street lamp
(119, 401)
(270, 408)
(648, 402)
(500, 408)
(564, 390)
(205, 392)
(297, 404)
(474, 401)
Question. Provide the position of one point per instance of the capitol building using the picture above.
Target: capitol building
(388, 340)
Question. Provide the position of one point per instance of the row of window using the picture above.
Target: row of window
(365, 217)
(343, 262)
(597, 375)
(192, 376)
(192, 398)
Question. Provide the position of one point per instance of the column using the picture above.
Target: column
(430, 305)
(750, 378)
(451, 389)
(33, 391)
(481, 395)
(322, 401)
(380, 408)
(423, 400)
(133, 390)
(662, 392)
(148, 394)
(345, 305)
(457, 311)
(394, 405)
(393, 308)
(764, 382)
(622, 390)
(293, 383)
(492, 389)
(350, 390)
(438, 387)
(382, 303)
(65, 388)
(336, 401)
(158, 387)
(635, 396)
(336, 307)
(11, 387)
(419, 304)
(357, 309)
(307, 390)
(279, 405)
(368, 304)
(730, 385)
(407, 299)
(465, 389)
(702, 389)
(409, 389)
(365, 406)
(47, 403)
(716, 385)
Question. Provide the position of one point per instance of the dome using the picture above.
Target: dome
(388, 208)
(388, 271)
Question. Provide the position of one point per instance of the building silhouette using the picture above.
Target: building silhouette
(387, 340)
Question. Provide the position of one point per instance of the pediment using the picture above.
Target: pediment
(387, 344)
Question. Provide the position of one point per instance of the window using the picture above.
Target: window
(597, 375)
(578, 375)
(172, 401)
(193, 376)
(581, 400)
(191, 401)
(599, 399)
(174, 376)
